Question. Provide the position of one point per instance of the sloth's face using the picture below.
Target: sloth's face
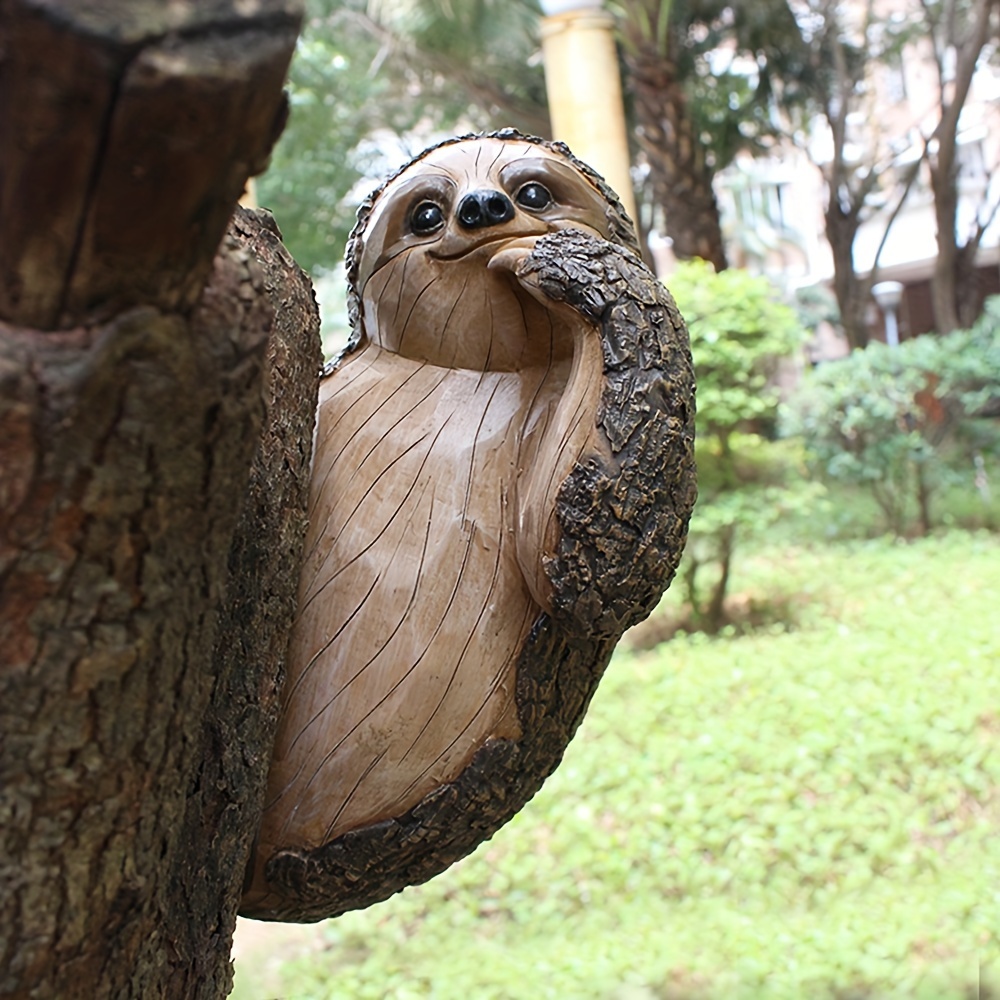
(423, 278)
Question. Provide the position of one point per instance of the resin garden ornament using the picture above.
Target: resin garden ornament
(502, 480)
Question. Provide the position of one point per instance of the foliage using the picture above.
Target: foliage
(815, 305)
(478, 58)
(734, 109)
(861, 423)
(899, 419)
(739, 333)
(318, 160)
(968, 363)
(772, 817)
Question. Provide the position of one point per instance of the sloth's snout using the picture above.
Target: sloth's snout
(480, 209)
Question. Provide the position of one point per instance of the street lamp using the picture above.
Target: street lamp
(889, 295)
(584, 89)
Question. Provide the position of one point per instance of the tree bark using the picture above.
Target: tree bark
(682, 180)
(851, 289)
(135, 352)
(953, 283)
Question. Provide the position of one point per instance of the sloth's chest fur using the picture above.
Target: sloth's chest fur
(413, 605)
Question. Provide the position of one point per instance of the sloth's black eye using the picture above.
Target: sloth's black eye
(425, 218)
(534, 196)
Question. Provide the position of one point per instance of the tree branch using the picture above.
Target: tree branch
(110, 195)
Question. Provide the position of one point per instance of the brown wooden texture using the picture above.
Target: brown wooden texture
(132, 766)
(679, 175)
(127, 132)
(136, 684)
(501, 485)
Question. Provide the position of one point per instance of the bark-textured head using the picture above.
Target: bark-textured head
(508, 162)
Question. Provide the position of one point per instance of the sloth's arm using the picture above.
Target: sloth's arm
(618, 517)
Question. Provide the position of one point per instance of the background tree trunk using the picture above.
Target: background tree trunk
(134, 355)
(953, 284)
(852, 290)
(681, 179)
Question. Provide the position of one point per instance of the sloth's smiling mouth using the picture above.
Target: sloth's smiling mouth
(498, 241)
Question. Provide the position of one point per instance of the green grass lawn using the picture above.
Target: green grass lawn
(800, 813)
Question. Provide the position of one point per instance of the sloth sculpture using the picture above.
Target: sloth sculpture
(501, 485)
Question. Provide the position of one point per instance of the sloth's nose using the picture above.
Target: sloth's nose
(484, 208)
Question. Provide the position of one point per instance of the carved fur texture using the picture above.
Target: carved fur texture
(502, 480)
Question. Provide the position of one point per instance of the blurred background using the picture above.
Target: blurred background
(788, 784)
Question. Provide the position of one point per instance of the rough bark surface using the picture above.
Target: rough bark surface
(127, 799)
(954, 282)
(126, 135)
(623, 521)
(132, 373)
(682, 181)
(852, 290)
(224, 793)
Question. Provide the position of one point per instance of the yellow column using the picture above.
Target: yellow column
(585, 94)
(249, 197)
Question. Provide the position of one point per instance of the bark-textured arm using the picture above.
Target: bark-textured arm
(623, 514)
(624, 509)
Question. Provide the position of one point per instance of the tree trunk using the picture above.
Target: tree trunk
(943, 290)
(133, 354)
(852, 290)
(951, 282)
(716, 612)
(923, 498)
(682, 180)
(956, 292)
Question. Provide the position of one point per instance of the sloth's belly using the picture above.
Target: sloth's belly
(413, 607)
